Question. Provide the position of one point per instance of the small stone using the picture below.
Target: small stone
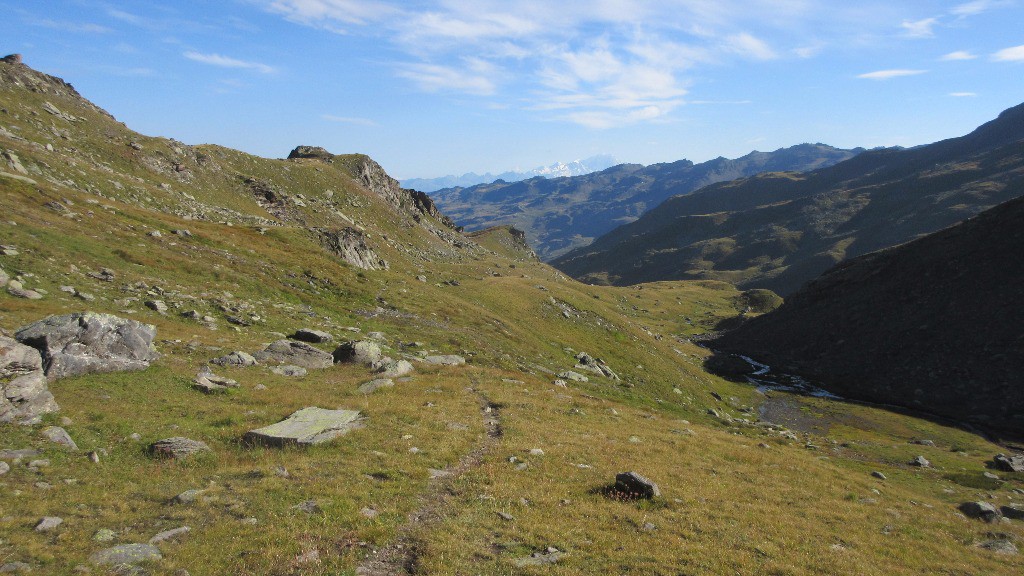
(156, 305)
(920, 462)
(237, 358)
(445, 360)
(177, 447)
(15, 568)
(288, 370)
(58, 435)
(94, 457)
(990, 475)
(249, 521)
(375, 384)
(878, 475)
(48, 523)
(369, 512)
(309, 507)
(634, 485)
(104, 535)
(312, 336)
(506, 516)
(574, 376)
(4, 468)
(536, 452)
(170, 535)
(187, 497)
(40, 463)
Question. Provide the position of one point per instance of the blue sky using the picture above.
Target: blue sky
(434, 87)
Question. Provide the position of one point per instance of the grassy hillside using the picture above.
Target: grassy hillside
(420, 487)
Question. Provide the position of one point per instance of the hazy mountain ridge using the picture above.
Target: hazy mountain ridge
(565, 213)
(778, 231)
(556, 170)
(932, 324)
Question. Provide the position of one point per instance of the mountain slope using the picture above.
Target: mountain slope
(565, 213)
(479, 468)
(933, 324)
(556, 170)
(777, 231)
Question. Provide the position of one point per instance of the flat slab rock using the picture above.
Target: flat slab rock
(295, 353)
(126, 554)
(445, 360)
(177, 447)
(87, 342)
(306, 427)
(312, 336)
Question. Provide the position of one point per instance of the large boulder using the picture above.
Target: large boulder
(1012, 463)
(982, 510)
(295, 353)
(86, 342)
(633, 485)
(306, 427)
(358, 351)
(24, 396)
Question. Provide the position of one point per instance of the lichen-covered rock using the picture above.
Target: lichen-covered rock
(306, 427)
(177, 447)
(24, 396)
(358, 351)
(237, 358)
(129, 554)
(86, 342)
(296, 353)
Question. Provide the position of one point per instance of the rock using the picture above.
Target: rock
(311, 336)
(9, 454)
(15, 288)
(58, 435)
(209, 383)
(104, 535)
(375, 384)
(15, 568)
(1014, 463)
(982, 510)
(1014, 511)
(311, 152)
(923, 442)
(999, 546)
(878, 475)
(634, 485)
(170, 535)
(536, 452)
(574, 376)
(237, 358)
(156, 305)
(94, 457)
(358, 351)
(369, 512)
(48, 523)
(921, 462)
(306, 427)
(4, 468)
(549, 556)
(297, 353)
(187, 497)
(177, 447)
(595, 365)
(130, 554)
(86, 342)
(350, 245)
(309, 507)
(24, 396)
(445, 360)
(391, 368)
(293, 371)
(4, 278)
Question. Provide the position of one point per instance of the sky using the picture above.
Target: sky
(435, 87)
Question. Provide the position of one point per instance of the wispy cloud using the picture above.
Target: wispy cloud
(77, 27)
(958, 55)
(227, 62)
(963, 94)
(477, 79)
(888, 74)
(920, 28)
(974, 8)
(349, 120)
(1014, 54)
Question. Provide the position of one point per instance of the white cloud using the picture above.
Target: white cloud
(963, 94)
(972, 8)
(323, 12)
(349, 120)
(83, 27)
(958, 55)
(749, 47)
(477, 78)
(227, 62)
(887, 74)
(920, 28)
(1014, 54)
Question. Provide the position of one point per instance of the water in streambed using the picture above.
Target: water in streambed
(784, 402)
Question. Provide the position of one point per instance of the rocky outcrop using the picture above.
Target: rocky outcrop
(295, 353)
(24, 396)
(311, 152)
(87, 342)
(306, 427)
(350, 245)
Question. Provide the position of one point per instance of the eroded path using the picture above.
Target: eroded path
(401, 556)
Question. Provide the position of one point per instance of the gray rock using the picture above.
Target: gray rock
(350, 245)
(15, 288)
(237, 358)
(288, 370)
(209, 383)
(391, 368)
(87, 342)
(130, 554)
(297, 353)
(104, 535)
(15, 568)
(634, 485)
(170, 535)
(999, 546)
(982, 510)
(923, 442)
(375, 384)
(595, 365)
(187, 497)
(177, 447)
(878, 475)
(1014, 511)
(48, 523)
(306, 427)
(24, 396)
(545, 558)
(1013, 463)
(312, 336)
(445, 360)
(14, 454)
(4, 278)
(156, 305)
(58, 435)
(4, 468)
(921, 462)
(359, 352)
(574, 376)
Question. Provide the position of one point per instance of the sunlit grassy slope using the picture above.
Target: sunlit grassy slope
(737, 498)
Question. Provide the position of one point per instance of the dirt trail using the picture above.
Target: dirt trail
(401, 556)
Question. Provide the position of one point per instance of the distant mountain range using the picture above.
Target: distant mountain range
(561, 214)
(933, 324)
(556, 170)
(778, 231)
